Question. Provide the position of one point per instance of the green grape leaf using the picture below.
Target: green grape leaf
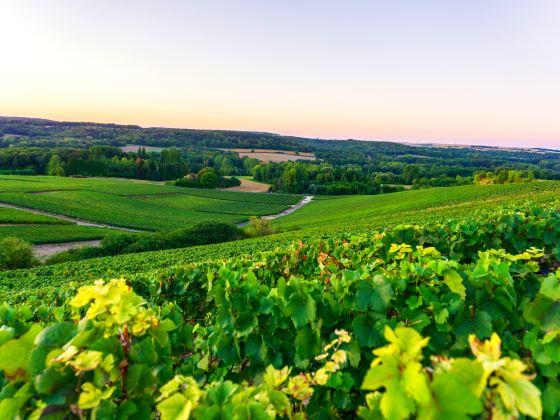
(176, 407)
(307, 343)
(15, 355)
(301, 307)
(373, 295)
(56, 335)
(454, 281)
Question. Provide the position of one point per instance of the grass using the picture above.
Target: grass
(136, 204)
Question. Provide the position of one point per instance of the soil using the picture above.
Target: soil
(250, 186)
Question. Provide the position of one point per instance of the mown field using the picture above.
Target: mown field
(123, 203)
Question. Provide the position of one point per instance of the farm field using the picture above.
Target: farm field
(415, 205)
(15, 216)
(410, 212)
(271, 155)
(45, 234)
(134, 204)
(250, 185)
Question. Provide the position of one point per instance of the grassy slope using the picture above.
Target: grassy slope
(135, 204)
(398, 208)
(48, 234)
(15, 216)
(416, 205)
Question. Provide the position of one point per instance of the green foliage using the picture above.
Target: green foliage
(452, 388)
(503, 176)
(118, 356)
(128, 204)
(200, 234)
(15, 253)
(294, 331)
(54, 166)
(260, 227)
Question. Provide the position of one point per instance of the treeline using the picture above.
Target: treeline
(29, 146)
(25, 132)
(110, 161)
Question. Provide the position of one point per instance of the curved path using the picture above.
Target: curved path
(306, 200)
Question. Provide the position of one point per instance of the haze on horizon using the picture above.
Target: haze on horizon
(477, 72)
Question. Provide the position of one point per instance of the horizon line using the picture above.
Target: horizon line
(413, 143)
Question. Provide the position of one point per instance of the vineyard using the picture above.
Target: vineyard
(15, 216)
(58, 233)
(415, 206)
(454, 319)
(120, 203)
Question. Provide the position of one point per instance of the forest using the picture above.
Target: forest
(35, 146)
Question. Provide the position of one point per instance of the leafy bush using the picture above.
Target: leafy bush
(260, 227)
(16, 253)
(200, 234)
(207, 178)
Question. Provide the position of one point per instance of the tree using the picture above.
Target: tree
(260, 227)
(15, 253)
(54, 167)
(208, 178)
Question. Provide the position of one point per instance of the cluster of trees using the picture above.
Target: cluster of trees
(99, 160)
(504, 176)
(324, 178)
(207, 178)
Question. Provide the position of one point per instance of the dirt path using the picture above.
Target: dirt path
(44, 251)
(306, 200)
(79, 222)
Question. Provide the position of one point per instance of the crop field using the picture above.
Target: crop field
(385, 217)
(135, 204)
(15, 216)
(46, 234)
(415, 206)
(434, 282)
(271, 155)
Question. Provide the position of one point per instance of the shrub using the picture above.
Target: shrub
(16, 253)
(260, 227)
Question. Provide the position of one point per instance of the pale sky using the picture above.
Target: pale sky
(471, 71)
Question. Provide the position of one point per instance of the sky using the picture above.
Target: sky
(464, 72)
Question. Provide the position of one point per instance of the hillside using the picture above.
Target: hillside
(337, 217)
(215, 335)
(110, 206)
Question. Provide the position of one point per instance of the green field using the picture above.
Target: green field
(124, 203)
(46, 234)
(414, 206)
(15, 216)
(348, 216)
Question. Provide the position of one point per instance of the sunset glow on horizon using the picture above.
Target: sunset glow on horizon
(477, 72)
